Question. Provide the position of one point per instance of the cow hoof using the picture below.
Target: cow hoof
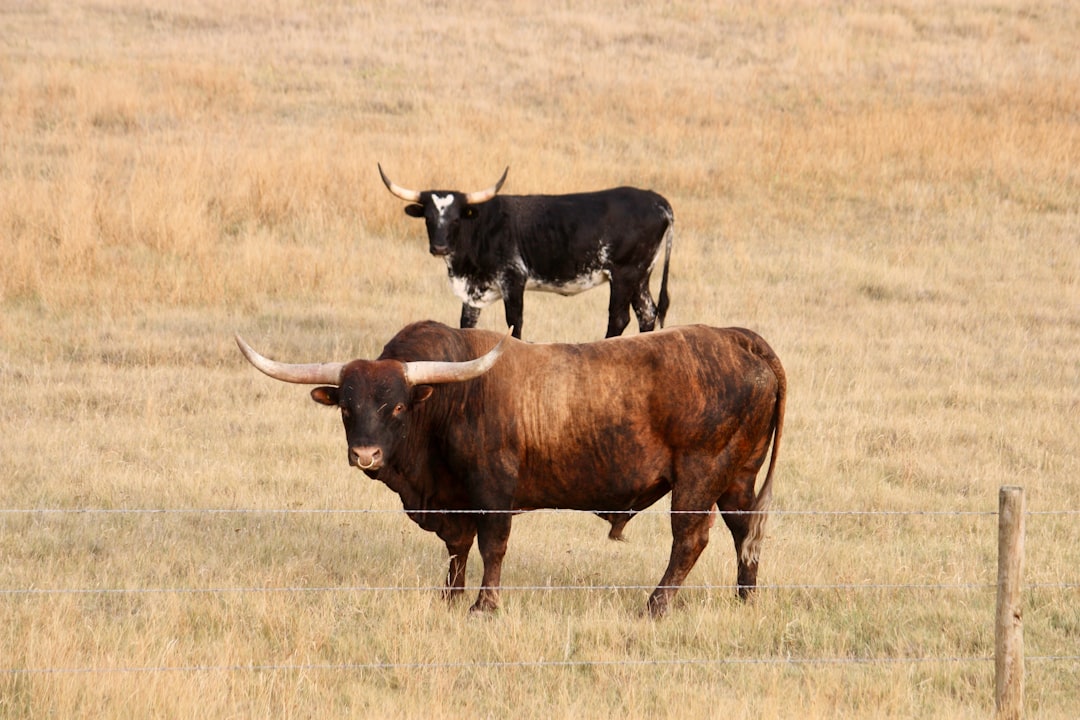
(655, 608)
(478, 610)
(616, 532)
(747, 593)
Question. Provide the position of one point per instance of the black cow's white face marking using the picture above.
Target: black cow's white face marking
(442, 213)
(442, 204)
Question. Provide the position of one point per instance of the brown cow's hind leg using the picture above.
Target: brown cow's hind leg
(734, 505)
(690, 523)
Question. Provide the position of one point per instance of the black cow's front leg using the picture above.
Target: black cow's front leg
(469, 316)
(514, 303)
(493, 534)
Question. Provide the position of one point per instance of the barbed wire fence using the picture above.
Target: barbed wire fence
(378, 665)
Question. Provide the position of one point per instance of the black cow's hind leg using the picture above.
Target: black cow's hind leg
(644, 306)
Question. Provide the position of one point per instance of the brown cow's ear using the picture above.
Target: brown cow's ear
(325, 395)
(421, 393)
(414, 211)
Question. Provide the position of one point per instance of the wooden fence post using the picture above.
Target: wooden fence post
(1009, 625)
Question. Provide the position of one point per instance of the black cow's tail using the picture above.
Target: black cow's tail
(663, 301)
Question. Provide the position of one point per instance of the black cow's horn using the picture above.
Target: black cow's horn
(404, 193)
(306, 374)
(481, 196)
(428, 372)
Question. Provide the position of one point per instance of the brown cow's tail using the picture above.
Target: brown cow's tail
(751, 548)
(663, 302)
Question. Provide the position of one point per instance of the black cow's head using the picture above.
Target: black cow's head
(443, 210)
(376, 397)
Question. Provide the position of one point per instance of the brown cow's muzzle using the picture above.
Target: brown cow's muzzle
(366, 458)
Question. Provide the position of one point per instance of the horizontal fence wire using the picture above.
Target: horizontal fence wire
(390, 511)
(539, 511)
(515, 588)
(379, 666)
(477, 588)
(383, 666)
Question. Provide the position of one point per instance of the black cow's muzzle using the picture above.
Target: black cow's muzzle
(439, 250)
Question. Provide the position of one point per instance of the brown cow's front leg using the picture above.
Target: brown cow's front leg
(458, 532)
(455, 575)
(493, 534)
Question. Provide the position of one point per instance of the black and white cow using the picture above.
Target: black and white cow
(499, 246)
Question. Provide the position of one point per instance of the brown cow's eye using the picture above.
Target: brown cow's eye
(398, 409)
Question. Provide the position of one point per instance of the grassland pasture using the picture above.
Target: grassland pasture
(888, 192)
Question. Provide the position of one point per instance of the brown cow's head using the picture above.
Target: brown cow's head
(375, 396)
(443, 211)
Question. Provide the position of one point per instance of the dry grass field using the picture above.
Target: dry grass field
(888, 192)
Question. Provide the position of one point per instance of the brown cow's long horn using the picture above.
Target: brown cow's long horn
(404, 193)
(427, 372)
(481, 196)
(307, 374)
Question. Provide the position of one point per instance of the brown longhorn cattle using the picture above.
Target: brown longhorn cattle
(451, 423)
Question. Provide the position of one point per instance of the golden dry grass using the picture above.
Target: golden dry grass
(888, 193)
